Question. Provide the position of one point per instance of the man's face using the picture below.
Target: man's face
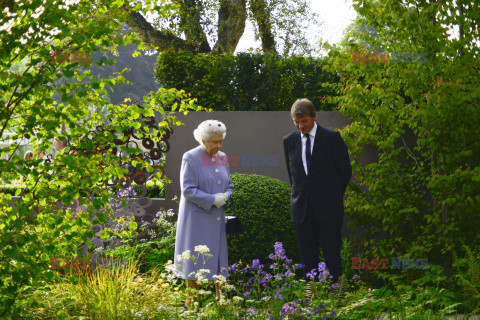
(304, 124)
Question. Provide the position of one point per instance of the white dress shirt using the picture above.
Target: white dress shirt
(304, 145)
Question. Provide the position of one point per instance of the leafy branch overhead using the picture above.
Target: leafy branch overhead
(204, 26)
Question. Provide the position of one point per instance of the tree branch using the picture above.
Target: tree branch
(262, 17)
(158, 39)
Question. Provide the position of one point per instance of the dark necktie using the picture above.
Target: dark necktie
(308, 152)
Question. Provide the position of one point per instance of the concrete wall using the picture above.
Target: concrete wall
(253, 143)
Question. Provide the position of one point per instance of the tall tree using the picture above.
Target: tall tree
(202, 26)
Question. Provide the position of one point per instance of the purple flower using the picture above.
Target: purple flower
(252, 310)
(335, 285)
(312, 274)
(321, 266)
(355, 276)
(265, 279)
(278, 294)
(246, 293)
(256, 264)
(233, 267)
(288, 274)
(279, 252)
(288, 309)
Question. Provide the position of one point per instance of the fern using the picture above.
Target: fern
(470, 278)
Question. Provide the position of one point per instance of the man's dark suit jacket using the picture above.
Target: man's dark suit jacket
(327, 178)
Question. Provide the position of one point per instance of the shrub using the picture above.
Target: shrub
(153, 247)
(245, 82)
(263, 206)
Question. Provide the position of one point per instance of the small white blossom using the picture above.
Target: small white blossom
(203, 271)
(229, 287)
(202, 249)
(204, 292)
(186, 255)
(220, 278)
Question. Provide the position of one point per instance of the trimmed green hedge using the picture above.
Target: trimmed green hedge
(246, 81)
(263, 206)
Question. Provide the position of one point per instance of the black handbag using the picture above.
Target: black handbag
(233, 222)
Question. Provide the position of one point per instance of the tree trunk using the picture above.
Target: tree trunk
(262, 17)
(231, 25)
(191, 12)
(158, 39)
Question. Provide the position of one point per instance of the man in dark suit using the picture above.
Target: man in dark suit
(319, 170)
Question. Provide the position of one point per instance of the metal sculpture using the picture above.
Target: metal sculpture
(131, 190)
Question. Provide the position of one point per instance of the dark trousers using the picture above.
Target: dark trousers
(313, 233)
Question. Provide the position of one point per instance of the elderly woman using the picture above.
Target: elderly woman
(205, 190)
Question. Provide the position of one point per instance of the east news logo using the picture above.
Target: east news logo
(396, 263)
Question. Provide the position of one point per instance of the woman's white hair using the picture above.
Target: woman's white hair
(209, 128)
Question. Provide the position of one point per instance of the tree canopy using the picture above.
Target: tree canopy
(412, 91)
(203, 26)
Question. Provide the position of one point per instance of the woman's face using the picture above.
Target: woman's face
(214, 144)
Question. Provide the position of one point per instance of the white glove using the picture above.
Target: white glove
(226, 196)
(220, 200)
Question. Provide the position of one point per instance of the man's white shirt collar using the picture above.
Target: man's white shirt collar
(312, 132)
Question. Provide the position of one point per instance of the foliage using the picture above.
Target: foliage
(290, 23)
(263, 207)
(274, 290)
(245, 82)
(103, 293)
(43, 41)
(468, 275)
(205, 26)
(418, 107)
(251, 292)
(154, 247)
(414, 303)
(259, 292)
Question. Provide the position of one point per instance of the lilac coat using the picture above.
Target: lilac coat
(199, 221)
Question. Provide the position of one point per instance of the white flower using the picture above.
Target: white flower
(237, 299)
(202, 272)
(222, 301)
(220, 278)
(170, 267)
(204, 292)
(184, 256)
(202, 249)
(229, 287)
